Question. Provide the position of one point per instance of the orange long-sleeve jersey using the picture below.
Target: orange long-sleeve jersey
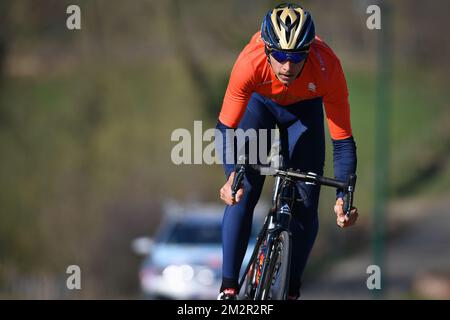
(322, 76)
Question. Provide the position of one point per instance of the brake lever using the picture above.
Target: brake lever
(237, 181)
(348, 198)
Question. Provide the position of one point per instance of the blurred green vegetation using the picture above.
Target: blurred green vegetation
(86, 118)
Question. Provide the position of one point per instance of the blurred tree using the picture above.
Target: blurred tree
(188, 59)
(4, 43)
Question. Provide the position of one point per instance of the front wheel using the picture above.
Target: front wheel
(276, 280)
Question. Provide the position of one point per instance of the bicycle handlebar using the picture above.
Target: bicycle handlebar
(348, 186)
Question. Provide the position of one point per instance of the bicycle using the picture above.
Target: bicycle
(267, 273)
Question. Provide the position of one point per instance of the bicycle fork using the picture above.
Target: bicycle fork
(284, 199)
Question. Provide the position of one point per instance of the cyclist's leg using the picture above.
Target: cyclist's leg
(308, 156)
(237, 220)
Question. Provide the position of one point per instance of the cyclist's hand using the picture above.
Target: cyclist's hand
(225, 192)
(341, 219)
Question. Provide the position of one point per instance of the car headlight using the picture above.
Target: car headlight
(205, 276)
(174, 273)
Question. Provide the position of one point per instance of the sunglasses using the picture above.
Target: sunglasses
(294, 57)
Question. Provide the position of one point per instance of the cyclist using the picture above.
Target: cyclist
(283, 77)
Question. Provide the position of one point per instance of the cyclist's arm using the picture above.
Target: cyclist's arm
(344, 160)
(237, 95)
(224, 150)
(338, 117)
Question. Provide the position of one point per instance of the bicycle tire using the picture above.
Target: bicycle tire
(252, 278)
(276, 280)
(249, 284)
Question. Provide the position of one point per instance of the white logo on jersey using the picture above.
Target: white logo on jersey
(311, 87)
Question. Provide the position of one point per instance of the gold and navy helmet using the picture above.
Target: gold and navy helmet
(288, 28)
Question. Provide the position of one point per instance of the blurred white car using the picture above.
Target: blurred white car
(184, 261)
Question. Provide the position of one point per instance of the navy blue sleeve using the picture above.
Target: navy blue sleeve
(225, 145)
(344, 158)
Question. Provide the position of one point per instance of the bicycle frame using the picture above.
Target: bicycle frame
(278, 220)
